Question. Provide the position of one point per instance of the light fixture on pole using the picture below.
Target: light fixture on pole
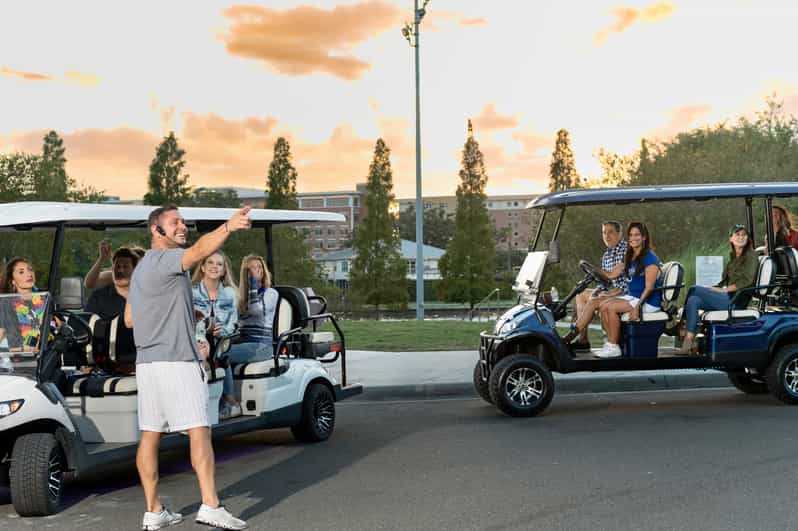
(411, 33)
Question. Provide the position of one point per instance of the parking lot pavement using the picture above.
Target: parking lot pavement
(408, 375)
(675, 460)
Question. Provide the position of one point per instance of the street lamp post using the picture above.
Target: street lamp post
(412, 36)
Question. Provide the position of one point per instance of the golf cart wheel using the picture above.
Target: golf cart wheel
(521, 386)
(37, 472)
(481, 384)
(782, 375)
(747, 383)
(318, 415)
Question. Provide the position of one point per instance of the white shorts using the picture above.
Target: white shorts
(647, 308)
(172, 396)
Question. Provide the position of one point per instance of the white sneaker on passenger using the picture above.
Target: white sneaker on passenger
(219, 517)
(165, 518)
(610, 350)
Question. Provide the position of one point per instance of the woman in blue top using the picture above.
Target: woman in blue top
(257, 302)
(215, 305)
(641, 268)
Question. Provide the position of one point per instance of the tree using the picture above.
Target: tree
(562, 172)
(167, 184)
(53, 183)
(378, 272)
(18, 176)
(468, 266)
(438, 226)
(281, 182)
(227, 198)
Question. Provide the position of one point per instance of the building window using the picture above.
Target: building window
(411, 267)
(515, 203)
(338, 202)
(330, 231)
(331, 244)
(313, 203)
(318, 231)
(490, 204)
(345, 266)
(355, 201)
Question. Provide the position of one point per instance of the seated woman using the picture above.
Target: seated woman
(739, 273)
(257, 302)
(21, 319)
(641, 267)
(214, 295)
(782, 227)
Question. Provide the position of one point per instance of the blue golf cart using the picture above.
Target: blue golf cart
(755, 343)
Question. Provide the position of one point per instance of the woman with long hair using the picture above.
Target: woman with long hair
(739, 273)
(216, 308)
(21, 316)
(641, 268)
(783, 230)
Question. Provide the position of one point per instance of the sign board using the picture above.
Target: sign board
(708, 270)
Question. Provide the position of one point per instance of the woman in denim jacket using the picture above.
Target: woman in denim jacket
(216, 307)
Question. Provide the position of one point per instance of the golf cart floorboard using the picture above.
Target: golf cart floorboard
(667, 358)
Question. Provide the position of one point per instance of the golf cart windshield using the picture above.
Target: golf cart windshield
(527, 283)
(23, 323)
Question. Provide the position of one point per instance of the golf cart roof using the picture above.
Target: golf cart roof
(645, 194)
(89, 215)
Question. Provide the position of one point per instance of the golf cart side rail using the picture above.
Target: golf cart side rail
(646, 194)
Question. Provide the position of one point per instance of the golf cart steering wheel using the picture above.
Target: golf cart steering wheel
(595, 273)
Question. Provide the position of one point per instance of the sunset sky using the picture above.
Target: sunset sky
(112, 78)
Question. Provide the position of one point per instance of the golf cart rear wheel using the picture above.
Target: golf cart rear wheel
(318, 415)
(521, 386)
(747, 383)
(782, 374)
(481, 384)
(37, 474)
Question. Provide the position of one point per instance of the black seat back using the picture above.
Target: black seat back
(296, 299)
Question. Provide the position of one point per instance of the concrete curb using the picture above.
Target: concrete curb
(564, 384)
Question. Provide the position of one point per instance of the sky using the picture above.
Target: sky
(112, 78)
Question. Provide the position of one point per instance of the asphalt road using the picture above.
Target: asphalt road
(698, 459)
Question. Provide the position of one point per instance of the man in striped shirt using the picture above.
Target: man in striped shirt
(589, 300)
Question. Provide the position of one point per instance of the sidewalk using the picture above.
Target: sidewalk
(408, 375)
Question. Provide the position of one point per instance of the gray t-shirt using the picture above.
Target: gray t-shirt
(163, 311)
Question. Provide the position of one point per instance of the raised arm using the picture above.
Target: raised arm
(212, 241)
(96, 277)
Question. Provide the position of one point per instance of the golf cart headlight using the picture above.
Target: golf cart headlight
(10, 407)
(508, 327)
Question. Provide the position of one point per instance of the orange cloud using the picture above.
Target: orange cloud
(489, 119)
(305, 39)
(473, 21)
(26, 76)
(627, 16)
(681, 119)
(85, 80)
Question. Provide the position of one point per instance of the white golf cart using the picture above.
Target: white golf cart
(59, 417)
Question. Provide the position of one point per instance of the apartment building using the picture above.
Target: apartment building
(507, 212)
(323, 237)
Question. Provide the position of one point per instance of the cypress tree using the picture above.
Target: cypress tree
(167, 184)
(562, 172)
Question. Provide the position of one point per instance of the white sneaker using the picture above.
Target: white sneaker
(165, 518)
(219, 517)
(610, 350)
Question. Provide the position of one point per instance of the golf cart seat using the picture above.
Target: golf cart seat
(293, 311)
(670, 281)
(765, 276)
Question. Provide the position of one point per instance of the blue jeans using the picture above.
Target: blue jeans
(701, 298)
(244, 353)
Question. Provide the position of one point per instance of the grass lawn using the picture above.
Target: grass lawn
(429, 335)
(411, 335)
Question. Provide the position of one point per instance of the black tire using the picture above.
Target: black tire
(318, 415)
(748, 384)
(782, 375)
(481, 384)
(514, 378)
(37, 474)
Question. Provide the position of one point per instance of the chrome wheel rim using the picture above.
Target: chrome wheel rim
(524, 387)
(791, 377)
(323, 413)
(55, 475)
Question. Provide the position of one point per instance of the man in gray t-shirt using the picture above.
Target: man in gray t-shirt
(172, 391)
(161, 288)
